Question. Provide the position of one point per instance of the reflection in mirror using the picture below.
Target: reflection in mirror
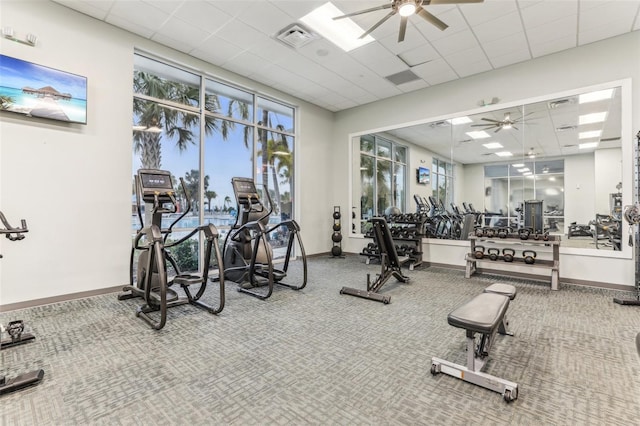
(553, 165)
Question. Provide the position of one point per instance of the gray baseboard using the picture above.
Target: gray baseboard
(57, 299)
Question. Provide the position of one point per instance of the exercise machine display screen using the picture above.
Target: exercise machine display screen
(244, 188)
(156, 181)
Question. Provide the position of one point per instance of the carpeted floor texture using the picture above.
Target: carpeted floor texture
(317, 357)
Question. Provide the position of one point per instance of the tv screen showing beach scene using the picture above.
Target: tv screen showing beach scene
(37, 91)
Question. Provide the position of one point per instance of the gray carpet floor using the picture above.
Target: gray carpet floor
(318, 357)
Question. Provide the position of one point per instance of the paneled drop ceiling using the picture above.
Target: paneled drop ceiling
(240, 36)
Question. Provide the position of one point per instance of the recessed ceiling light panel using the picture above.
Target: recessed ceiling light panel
(596, 117)
(344, 33)
(478, 134)
(595, 96)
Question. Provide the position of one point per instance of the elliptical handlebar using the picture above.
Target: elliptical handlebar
(9, 230)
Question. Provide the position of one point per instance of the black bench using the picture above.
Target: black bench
(390, 263)
(483, 315)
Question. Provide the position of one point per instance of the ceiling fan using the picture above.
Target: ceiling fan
(506, 123)
(406, 8)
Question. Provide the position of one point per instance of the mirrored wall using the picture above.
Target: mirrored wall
(554, 164)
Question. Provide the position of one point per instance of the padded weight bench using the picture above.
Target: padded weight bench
(505, 290)
(390, 263)
(483, 315)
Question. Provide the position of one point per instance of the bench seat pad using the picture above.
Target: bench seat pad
(482, 314)
(501, 288)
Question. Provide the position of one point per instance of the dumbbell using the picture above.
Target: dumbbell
(493, 253)
(508, 254)
(529, 257)
(478, 252)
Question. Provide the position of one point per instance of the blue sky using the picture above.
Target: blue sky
(16, 73)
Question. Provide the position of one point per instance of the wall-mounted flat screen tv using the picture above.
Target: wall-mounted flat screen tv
(423, 175)
(37, 91)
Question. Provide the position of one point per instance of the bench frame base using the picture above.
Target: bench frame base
(472, 373)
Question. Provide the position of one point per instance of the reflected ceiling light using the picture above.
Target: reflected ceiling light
(595, 96)
(518, 165)
(588, 145)
(527, 174)
(545, 169)
(460, 120)
(551, 191)
(492, 145)
(504, 154)
(478, 134)
(596, 117)
(590, 134)
(525, 169)
(407, 7)
(344, 33)
(552, 178)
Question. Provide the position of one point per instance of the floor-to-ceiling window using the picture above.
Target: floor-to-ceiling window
(205, 132)
(383, 177)
(442, 181)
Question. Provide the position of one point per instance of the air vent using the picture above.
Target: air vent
(565, 128)
(402, 77)
(439, 124)
(296, 36)
(559, 102)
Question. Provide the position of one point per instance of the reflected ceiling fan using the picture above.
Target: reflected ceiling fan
(406, 8)
(506, 123)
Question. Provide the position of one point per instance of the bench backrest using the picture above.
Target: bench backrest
(382, 237)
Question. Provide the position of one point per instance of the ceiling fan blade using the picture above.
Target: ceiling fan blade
(377, 24)
(360, 12)
(403, 28)
(486, 126)
(514, 127)
(432, 19)
(498, 129)
(454, 1)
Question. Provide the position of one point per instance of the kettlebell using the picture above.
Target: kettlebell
(479, 232)
(493, 253)
(479, 252)
(529, 257)
(545, 236)
(524, 233)
(508, 254)
(490, 232)
(504, 232)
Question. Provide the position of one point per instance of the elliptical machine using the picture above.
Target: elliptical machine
(15, 329)
(152, 282)
(248, 253)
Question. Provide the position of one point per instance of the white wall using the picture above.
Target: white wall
(579, 190)
(596, 63)
(608, 173)
(73, 183)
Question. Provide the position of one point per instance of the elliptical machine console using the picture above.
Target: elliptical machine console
(248, 253)
(151, 282)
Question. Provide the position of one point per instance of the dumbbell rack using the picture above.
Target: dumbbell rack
(514, 242)
(408, 231)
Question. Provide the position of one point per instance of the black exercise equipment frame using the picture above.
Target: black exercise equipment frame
(636, 255)
(390, 264)
(15, 329)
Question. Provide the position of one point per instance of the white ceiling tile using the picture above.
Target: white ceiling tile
(451, 16)
(544, 12)
(552, 46)
(457, 42)
(97, 9)
(217, 51)
(412, 86)
(241, 34)
(465, 69)
(267, 18)
(137, 11)
(512, 43)
(295, 8)
(136, 28)
(438, 66)
(203, 15)
(379, 59)
(173, 43)
(498, 28)
(231, 7)
(419, 55)
(413, 38)
(270, 49)
(168, 6)
(513, 57)
(246, 64)
(619, 13)
(177, 29)
(558, 28)
(489, 10)
(610, 29)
